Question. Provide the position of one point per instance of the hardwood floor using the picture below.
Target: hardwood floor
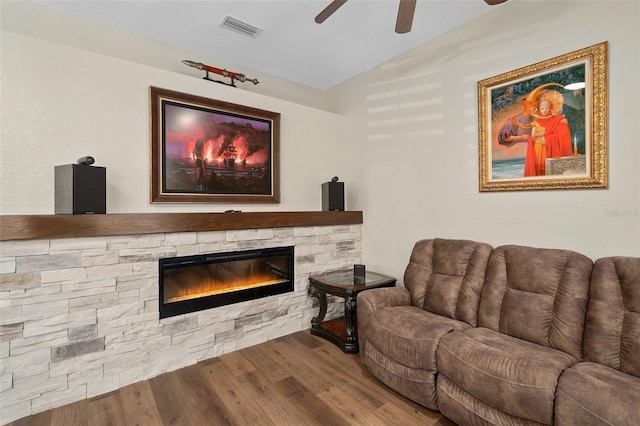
(296, 380)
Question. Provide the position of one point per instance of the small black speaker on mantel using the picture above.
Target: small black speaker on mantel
(333, 195)
(80, 188)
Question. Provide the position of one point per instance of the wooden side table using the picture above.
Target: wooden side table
(342, 331)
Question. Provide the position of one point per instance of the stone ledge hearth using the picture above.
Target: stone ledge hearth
(79, 316)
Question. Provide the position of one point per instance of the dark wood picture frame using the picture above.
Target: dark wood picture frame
(210, 151)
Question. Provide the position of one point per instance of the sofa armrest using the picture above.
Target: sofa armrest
(375, 299)
(371, 300)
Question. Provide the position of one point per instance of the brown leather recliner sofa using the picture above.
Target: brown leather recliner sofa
(511, 335)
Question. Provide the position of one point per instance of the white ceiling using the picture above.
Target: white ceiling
(357, 37)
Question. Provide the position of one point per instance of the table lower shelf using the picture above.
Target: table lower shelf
(335, 331)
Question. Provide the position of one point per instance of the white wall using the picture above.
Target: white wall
(413, 122)
(41, 22)
(406, 133)
(61, 102)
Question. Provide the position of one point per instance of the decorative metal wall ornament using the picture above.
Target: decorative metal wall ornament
(234, 76)
(544, 126)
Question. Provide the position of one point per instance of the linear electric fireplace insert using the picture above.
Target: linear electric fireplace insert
(195, 283)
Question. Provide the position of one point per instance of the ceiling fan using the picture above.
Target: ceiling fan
(405, 13)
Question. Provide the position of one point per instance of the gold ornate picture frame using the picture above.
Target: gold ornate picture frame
(209, 151)
(544, 126)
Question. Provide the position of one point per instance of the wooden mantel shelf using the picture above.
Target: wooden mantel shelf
(30, 227)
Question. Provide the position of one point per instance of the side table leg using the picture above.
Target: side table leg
(322, 297)
(350, 316)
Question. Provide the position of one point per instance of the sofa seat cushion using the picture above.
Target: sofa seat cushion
(504, 372)
(417, 384)
(401, 350)
(594, 394)
(409, 335)
(464, 409)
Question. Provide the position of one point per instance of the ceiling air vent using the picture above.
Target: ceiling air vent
(235, 24)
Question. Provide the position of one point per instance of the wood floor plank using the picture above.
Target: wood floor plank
(279, 409)
(393, 415)
(204, 402)
(293, 380)
(346, 365)
(342, 401)
(235, 396)
(305, 338)
(365, 389)
(315, 411)
(413, 411)
(139, 406)
(366, 394)
(335, 363)
(361, 382)
(262, 357)
(296, 360)
(106, 410)
(170, 400)
(237, 362)
(75, 414)
(40, 419)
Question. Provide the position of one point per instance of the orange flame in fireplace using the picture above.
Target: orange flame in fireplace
(181, 291)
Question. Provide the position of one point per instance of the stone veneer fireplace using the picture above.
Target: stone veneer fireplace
(79, 308)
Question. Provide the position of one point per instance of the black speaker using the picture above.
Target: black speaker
(333, 196)
(80, 189)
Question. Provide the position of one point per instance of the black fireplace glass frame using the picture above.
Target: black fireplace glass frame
(207, 302)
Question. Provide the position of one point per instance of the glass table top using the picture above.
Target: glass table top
(347, 278)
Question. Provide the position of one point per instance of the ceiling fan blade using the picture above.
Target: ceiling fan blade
(328, 11)
(405, 16)
(494, 2)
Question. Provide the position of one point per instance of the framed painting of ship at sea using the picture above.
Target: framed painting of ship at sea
(544, 126)
(209, 151)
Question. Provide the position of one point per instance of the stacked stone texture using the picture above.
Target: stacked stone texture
(79, 316)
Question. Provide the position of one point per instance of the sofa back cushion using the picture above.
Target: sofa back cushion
(445, 277)
(538, 295)
(612, 332)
